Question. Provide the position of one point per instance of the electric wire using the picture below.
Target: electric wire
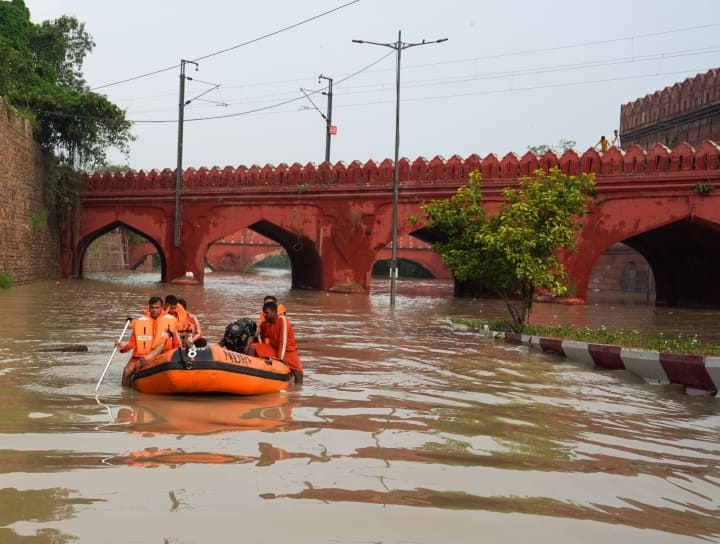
(443, 81)
(254, 40)
(480, 77)
(263, 108)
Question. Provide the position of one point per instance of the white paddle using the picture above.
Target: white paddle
(127, 323)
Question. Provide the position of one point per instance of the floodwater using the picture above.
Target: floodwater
(408, 429)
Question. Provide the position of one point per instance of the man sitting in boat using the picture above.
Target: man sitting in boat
(280, 308)
(178, 311)
(152, 334)
(193, 332)
(238, 336)
(277, 332)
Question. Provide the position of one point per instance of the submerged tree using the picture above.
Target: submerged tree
(515, 251)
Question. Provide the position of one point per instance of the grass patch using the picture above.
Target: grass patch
(6, 280)
(681, 345)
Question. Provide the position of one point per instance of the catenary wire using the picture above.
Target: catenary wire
(254, 40)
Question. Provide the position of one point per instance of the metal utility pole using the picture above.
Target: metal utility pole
(398, 46)
(328, 116)
(178, 170)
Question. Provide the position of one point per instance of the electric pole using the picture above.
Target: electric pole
(178, 170)
(398, 46)
(328, 117)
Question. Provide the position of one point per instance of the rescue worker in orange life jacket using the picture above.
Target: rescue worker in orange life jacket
(277, 331)
(193, 332)
(280, 308)
(152, 334)
(178, 311)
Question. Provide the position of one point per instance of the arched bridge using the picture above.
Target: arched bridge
(334, 220)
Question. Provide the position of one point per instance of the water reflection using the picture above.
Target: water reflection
(40, 505)
(406, 424)
(150, 414)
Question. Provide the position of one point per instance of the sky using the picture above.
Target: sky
(511, 74)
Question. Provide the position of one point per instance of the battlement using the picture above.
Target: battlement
(615, 162)
(681, 98)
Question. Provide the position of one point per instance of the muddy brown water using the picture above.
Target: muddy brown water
(408, 429)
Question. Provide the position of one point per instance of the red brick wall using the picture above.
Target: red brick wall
(29, 246)
(689, 111)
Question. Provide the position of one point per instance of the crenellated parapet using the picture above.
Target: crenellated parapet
(614, 163)
(681, 98)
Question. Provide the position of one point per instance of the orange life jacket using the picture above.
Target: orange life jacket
(181, 314)
(281, 311)
(148, 333)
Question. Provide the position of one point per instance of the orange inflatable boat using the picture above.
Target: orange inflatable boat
(212, 369)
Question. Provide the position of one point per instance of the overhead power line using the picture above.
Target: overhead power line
(254, 40)
(435, 82)
(264, 108)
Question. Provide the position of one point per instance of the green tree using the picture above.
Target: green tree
(42, 78)
(514, 252)
(562, 146)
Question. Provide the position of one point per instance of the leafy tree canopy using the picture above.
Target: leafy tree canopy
(515, 251)
(41, 76)
(562, 146)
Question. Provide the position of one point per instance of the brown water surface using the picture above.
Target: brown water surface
(408, 429)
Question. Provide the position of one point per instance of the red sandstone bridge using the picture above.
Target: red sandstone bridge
(244, 249)
(335, 220)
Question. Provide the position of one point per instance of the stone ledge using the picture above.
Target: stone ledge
(697, 374)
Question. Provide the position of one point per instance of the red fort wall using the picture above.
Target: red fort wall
(29, 245)
(688, 111)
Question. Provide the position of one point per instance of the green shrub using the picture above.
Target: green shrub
(6, 280)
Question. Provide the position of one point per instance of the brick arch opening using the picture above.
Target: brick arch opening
(621, 273)
(138, 254)
(305, 262)
(239, 251)
(263, 256)
(407, 268)
(683, 257)
(414, 250)
(84, 244)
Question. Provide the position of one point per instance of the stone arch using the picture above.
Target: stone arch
(304, 258)
(84, 244)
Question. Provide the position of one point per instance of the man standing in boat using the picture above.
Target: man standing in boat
(277, 332)
(152, 334)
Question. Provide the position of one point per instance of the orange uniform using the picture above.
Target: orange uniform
(148, 333)
(194, 330)
(281, 337)
(281, 311)
(181, 314)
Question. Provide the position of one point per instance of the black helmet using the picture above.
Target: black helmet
(237, 334)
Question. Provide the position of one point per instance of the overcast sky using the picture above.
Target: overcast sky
(512, 74)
